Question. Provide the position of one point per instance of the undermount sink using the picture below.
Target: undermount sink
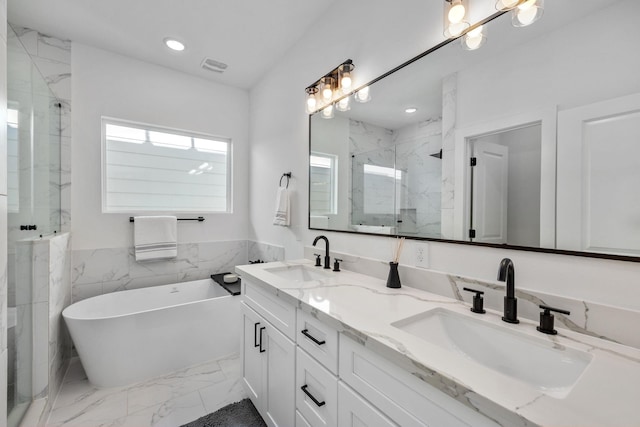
(300, 273)
(549, 367)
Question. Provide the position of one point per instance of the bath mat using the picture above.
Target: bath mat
(239, 414)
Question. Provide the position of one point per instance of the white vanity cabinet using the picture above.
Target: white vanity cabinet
(268, 359)
(299, 371)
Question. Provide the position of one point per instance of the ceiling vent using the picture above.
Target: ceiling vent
(213, 65)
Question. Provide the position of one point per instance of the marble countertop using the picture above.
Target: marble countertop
(606, 394)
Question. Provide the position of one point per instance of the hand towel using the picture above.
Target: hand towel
(155, 237)
(282, 208)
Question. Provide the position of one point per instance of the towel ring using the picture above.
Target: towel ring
(288, 176)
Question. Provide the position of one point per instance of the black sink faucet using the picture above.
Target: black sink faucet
(507, 273)
(327, 258)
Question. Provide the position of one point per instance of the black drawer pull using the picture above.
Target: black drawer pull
(262, 350)
(306, 333)
(255, 335)
(304, 388)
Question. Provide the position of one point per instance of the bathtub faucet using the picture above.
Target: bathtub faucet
(327, 258)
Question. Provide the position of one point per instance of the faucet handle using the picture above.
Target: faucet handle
(478, 301)
(546, 319)
(336, 264)
(318, 264)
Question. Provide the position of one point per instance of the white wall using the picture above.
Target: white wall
(106, 84)
(378, 39)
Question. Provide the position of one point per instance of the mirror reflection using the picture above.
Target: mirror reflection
(530, 140)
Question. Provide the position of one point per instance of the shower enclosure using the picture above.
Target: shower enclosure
(33, 177)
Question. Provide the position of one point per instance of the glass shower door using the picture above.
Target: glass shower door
(33, 190)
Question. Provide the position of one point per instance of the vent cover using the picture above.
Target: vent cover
(213, 65)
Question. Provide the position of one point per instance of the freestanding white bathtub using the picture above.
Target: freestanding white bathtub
(128, 336)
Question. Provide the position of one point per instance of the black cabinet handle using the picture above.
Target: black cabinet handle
(262, 350)
(306, 333)
(318, 403)
(255, 334)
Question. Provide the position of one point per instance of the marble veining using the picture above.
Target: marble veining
(364, 309)
(167, 401)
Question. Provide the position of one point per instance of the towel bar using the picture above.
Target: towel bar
(199, 219)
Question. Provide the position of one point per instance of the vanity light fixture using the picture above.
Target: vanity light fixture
(527, 12)
(333, 85)
(454, 17)
(410, 110)
(174, 44)
(475, 38)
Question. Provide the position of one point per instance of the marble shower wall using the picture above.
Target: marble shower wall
(587, 317)
(52, 58)
(449, 105)
(3, 214)
(371, 196)
(101, 271)
(420, 188)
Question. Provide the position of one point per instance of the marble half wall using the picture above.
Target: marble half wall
(104, 270)
(587, 317)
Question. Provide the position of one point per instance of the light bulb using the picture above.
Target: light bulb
(527, 13)
(473, 39)
(343, 104)
(327, 93)
(345, 83)
(327, 112)
(311, 103)
(363, 95)
(456, 13)
(506, 4)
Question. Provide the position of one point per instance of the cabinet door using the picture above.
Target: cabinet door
(279, 378)
(354, 411)
(252, 365)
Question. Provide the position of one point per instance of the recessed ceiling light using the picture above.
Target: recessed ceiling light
(174, 44)
(411, 110)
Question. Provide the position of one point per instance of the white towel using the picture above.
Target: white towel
(155, 237)
(282, 208)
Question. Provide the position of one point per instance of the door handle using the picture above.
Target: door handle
(316, 401)
(262, 350)
(306, 333)
(255, 334)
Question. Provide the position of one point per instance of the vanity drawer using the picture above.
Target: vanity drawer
(280, 313)
(316, 392)
(319, 340)
(354, 411)
(401, 396)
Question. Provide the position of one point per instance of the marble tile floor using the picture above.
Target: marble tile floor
(167, 401)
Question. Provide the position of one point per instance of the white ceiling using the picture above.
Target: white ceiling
(248, 35)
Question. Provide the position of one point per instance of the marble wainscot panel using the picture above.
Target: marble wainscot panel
(587, 317)
(264, 251)
(100, 271)
(363, 308)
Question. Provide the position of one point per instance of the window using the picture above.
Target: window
(323, 170)
(151, 169)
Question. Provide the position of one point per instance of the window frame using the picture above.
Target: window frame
(333, 186)
(104, 120)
